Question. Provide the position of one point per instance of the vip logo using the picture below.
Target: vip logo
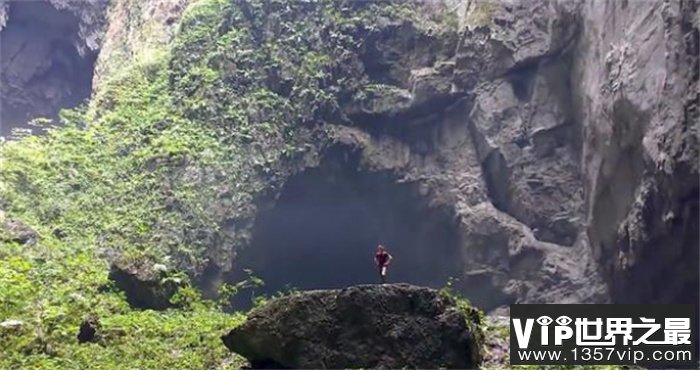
(604, 334)
(561, 331)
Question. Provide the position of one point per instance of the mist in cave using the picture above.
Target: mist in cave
(323, 231)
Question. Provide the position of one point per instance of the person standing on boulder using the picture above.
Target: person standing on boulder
(382, 258)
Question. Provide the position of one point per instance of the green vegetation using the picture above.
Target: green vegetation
(176, 145)
(52, 286)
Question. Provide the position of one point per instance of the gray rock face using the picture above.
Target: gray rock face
(371, 326)
(637, 94)
(133, 32)
(48, 49)
(568, 148)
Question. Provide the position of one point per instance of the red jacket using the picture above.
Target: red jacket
(382, 258)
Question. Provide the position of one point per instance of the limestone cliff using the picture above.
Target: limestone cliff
(637, 98)
(539, 151)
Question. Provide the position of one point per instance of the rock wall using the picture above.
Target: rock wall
(481, 122)
(636, 76)
(47, 52)
(137, 32)
(553, 131)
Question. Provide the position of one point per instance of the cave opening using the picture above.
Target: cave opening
(323, 230)
(45, 67)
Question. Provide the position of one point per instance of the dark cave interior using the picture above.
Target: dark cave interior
(42, 69)
(323, 230)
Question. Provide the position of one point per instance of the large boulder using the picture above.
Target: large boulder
(366, 326)
(147, 284)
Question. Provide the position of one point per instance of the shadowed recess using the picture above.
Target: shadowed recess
(42, 69)
(323, 230)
